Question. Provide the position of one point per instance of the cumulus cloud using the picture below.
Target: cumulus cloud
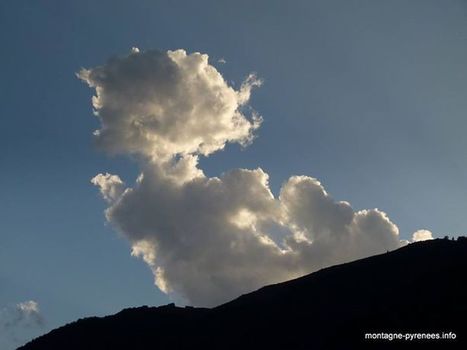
(160, 104)
(20, 321)
(25, 313)
(208, 239)
(28, 308)
(422, 235)
(110, 185)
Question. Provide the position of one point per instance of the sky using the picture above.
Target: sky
(366, 97)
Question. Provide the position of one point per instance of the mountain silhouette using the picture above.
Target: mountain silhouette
(417, 290)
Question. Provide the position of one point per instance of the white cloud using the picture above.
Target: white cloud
(210, 239)
(422, 235)
(28, 308)
(111, 186)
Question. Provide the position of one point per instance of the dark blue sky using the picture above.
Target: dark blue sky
(367, 96)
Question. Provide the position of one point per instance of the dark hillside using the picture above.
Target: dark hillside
(421, 288)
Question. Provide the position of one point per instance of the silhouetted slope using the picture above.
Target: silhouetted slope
(419, 288)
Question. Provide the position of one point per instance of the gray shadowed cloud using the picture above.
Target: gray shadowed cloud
(209, 239)
(17, 320)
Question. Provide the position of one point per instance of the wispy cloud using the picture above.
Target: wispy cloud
(20, 321)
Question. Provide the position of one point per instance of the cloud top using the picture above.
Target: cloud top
(161, 104)
(28, 308)
(422, 235)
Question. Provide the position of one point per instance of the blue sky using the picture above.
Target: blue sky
(366, 96)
